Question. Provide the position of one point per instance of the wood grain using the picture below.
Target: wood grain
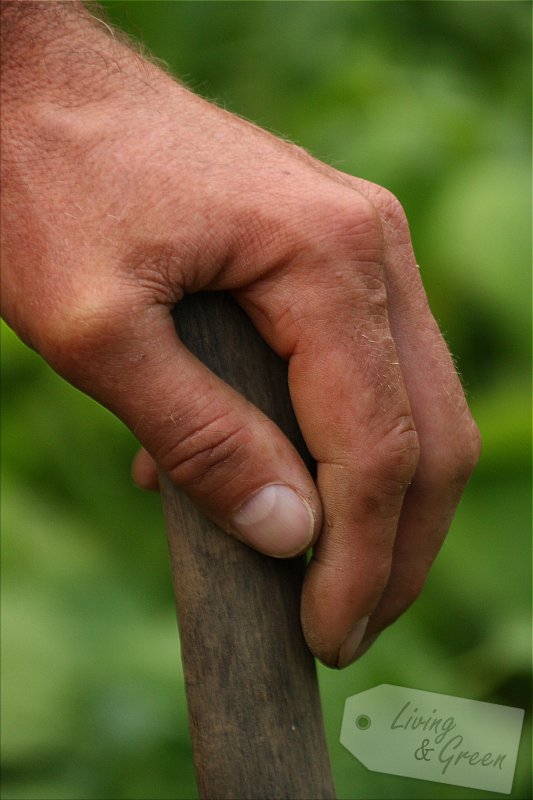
(254, 708)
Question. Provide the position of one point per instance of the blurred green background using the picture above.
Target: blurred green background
(432, 100)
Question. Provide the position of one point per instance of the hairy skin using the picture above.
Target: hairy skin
(122, 191)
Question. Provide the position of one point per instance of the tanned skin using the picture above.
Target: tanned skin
(122, 191)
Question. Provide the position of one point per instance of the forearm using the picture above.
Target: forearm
(61, 54)
(60, 67)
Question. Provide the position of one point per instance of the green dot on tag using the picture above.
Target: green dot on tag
(363, 722)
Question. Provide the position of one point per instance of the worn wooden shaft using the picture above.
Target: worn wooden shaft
(254, 708)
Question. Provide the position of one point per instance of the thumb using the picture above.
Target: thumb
(218, 447)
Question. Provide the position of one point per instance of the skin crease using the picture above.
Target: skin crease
(122, 191)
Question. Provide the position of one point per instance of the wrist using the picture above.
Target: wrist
(69, 86)
(58, 53)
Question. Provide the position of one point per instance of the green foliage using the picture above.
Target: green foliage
(432, 100)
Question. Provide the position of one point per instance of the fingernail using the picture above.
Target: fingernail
(276, 521)
(351, 644)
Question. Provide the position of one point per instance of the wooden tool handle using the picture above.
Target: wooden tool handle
(252, 693)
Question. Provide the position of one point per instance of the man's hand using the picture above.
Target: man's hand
(123, 191)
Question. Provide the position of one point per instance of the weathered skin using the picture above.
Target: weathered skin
(122, 191)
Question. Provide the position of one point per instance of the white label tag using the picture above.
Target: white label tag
(433, 737)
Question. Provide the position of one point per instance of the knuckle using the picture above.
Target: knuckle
(357, 228)
(389, 470)
(389, 206)
(346, 221)
(207, 458)
(396, 455)
(453, 469)
(343, 246)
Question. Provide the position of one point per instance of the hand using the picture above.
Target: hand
(123, 191)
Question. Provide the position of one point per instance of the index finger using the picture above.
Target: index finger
(353, 410)
(354, 413)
